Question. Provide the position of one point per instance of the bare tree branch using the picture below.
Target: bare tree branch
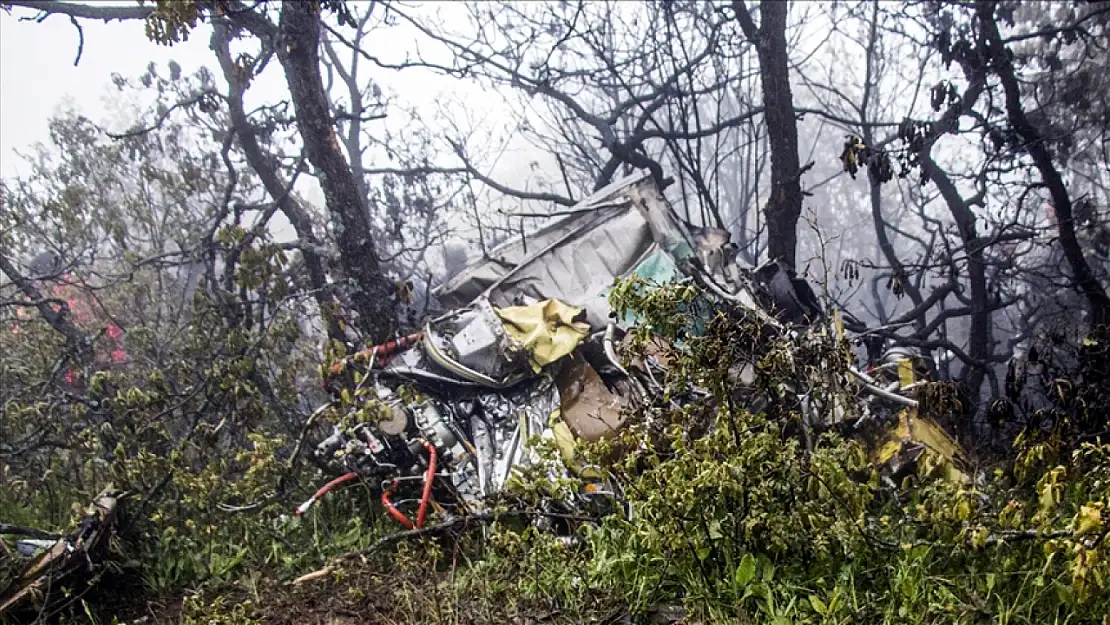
(84, 11)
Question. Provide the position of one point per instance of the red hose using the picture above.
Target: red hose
(425, 498)
(389, 348)
(336, 482)
(382, 352)
(325, 489)
(429, 479)
(393, 511)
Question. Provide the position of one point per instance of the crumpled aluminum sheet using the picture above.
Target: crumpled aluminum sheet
(502, 416)
(576, 259)
(413, 365)
(471, 343)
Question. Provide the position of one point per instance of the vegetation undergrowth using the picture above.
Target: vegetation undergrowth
(736, 516)
(169, 279)
(745, 524)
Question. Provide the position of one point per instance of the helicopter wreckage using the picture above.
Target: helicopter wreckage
(529, 348)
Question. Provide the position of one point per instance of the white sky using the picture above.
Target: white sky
(37, 75)
(38, 78)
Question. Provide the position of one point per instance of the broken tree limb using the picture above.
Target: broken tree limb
(69, 557)
(30, 532)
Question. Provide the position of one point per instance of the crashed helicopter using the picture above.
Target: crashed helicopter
(529, 349)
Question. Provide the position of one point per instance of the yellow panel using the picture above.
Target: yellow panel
(546, 329)
(905, 372)
(941, 451)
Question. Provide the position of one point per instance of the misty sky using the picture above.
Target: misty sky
(37, 73)
(37, 77)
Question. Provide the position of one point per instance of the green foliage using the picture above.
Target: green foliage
(198, 417)
(744, 524)
(739, 515)
(219, 612)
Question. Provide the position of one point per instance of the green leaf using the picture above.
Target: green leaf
(715, 530)
(1089, 519)
(963, 511)
(990, 581)
(818, 605)
(745, 573)
(1064, 594)
(768, 571)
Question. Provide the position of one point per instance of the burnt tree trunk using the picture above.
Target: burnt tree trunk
(784, 207)
(371, 292)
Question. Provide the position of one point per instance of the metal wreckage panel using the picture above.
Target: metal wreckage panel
(576, 259)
